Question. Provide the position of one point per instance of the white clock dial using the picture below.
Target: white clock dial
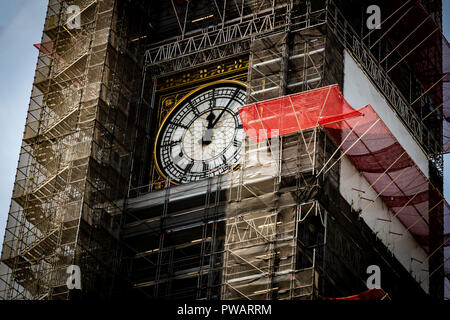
(202, 136)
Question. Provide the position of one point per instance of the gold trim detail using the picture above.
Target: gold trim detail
(202, 74)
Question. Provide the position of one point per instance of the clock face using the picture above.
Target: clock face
(202, 136)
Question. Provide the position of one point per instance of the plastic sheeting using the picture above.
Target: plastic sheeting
(45, 47)
(295, 112)
(367, 142)
(427, 53)
(390, 171)
(372, 294)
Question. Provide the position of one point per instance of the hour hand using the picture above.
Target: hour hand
(207, 137)
(211, 116)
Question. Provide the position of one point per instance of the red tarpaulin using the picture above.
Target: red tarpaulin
(373, 294)
(388, 168)
(45, 47)
(366, 141)
(296, 112)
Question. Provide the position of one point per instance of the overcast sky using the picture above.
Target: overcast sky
(21, 24)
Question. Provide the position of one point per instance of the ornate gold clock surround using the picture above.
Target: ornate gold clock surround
(173, 90)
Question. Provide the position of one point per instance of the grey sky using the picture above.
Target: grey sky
(21, 24)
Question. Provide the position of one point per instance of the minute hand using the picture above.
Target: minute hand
(226, 107)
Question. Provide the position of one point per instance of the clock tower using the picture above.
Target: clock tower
(139, 170)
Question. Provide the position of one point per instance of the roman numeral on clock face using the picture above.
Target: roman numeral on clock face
(171, 144)
(178, 124)
(194, 109)
(189, 167)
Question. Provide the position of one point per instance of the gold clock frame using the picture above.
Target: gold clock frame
(168, 115)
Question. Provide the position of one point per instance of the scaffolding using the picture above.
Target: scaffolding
(425, 135)
(369, 144)
(292, 47)
(75, 159)
(265, 254)
(258, 232)
(321, 19)
(246, 235)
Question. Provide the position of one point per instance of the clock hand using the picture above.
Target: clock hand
(226, 107)
(210, 119)
(211, 115)
(207, 137)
